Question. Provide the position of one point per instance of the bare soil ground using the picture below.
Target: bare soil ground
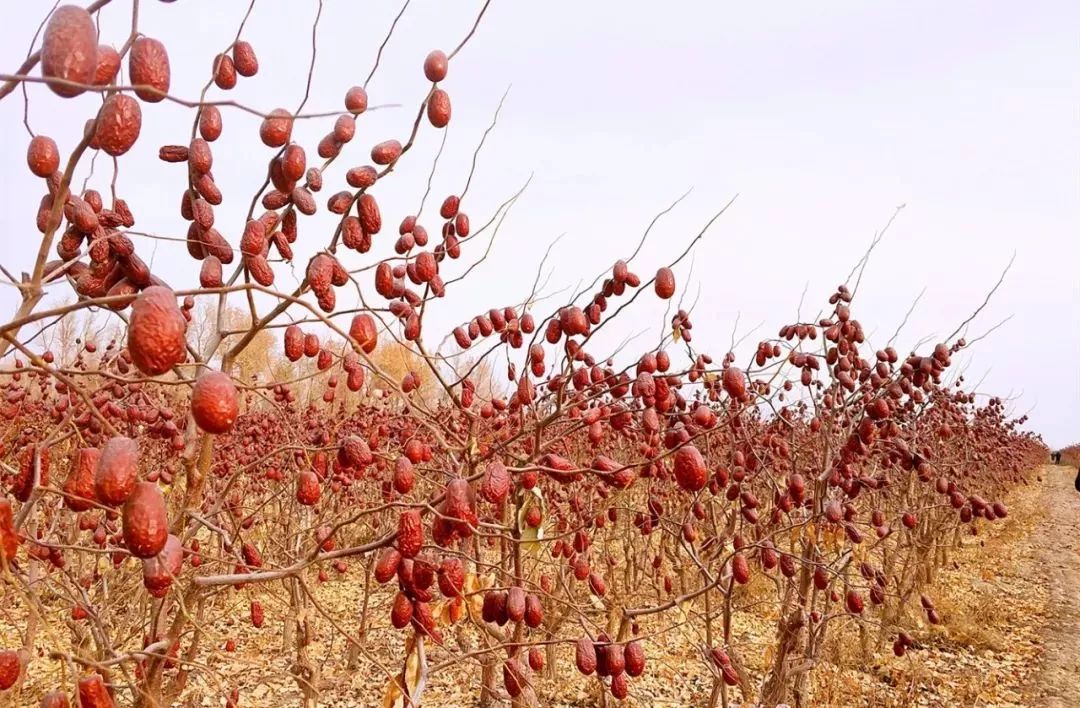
(1056, 551)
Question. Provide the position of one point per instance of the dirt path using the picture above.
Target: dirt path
(1057, 550)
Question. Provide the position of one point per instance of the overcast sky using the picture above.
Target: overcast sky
(823, 117)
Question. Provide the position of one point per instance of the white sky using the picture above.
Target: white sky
(822, 116)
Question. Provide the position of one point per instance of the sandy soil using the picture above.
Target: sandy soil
(1057, 554)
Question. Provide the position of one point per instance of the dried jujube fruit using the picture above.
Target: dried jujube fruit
(79, 488)
(363, 331)
(401, 611)
(734, 382)
(740, 569)
(610, 660)
(276, 128)
(634, 655)
(386, 152)
(451, 577)
(156, 331)
(82, 216)
(619, 688)
(293, 162)
(32, 472)
(145, 521)
(461, 224)
(438, 108)
(93, 693)
(214, 402)
(173, 153)
(303, 201)
(368, 211)
(308, 489)
(54, 699)
(329, 147)
(69, 49)
(117, 471)
(585, 656)
(436, 65)
(515, 677)
(9, 539)
(119, 124)
(244, 59)
(200, 156)
(494, 607)
(572, 321)
(356, 100)
(426, 266)
(339, 203)
(344, 128)
(148, 69)
(515, 604)
(450, 206)
(210, 273)
(10, 667)
(43, 156)
(361, 177)
(108, 63)
(294, 342)
(386, 567)
(410, 533)
(534, 611)
(404, 477)
(224, 72)
(664, 283)
(159, 571)
(690, 471)
(210, 123)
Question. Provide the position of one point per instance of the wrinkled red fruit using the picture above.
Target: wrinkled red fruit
(214, 402)
(117, 471)
(69, 49)
(156, 330)
(145, 521)
(690, 471)
(10, 666)
(93, 693)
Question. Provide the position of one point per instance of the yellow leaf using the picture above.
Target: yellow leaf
(412, 669)
(441, 612)
(474, 587)
(392, 696)
(531, 536)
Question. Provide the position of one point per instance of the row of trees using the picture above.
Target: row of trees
(590, 499)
